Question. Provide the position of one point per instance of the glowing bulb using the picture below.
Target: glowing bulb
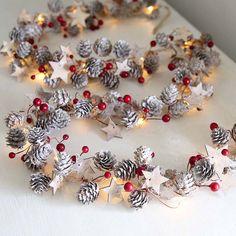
(40, 76)
(140, 121)
(149, 10)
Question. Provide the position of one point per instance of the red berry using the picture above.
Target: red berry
(73, 158)
(192, 160)
(29, 120)
(87, 94)
(109, 66)
(149, 72)
(66, 137)
(85, 149)
(141, 80)
(44, 107)
(153, 43)
(71, 56)
(60, 19)
(33, 77)
(31, 41)
(171, 37)
(12, 155)
(171, 66)
(146, 110)
(23, 157)
(120, 99)
(48, 139)
(139, 171)
(37, 102)
(128, 187)
(225, 152)
(100, 22)
(50, 24)
(60, 147)
(199, 157)
(214, 186)
(166, 118)
(186, 81)
(102, 106)
(214, 126)
(63, 23)
(107, 174)
(72, 68)
(35, 46)
(173, 80)
(65, 35)
(153, 154)
(41, 69)
(210, 44)
(75, 100)
(124, 74)
(127, 99)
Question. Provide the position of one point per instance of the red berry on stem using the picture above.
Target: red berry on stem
(29, 120)
(141, 80)
(60, 147)
(31, 41)
(85, 149)
(107, 174)
(102, 106)
(166, 118)
(66, 137)
(128, 187)
(72, 68)
(44, 107)
(87, 94)
(71, 56)
(210, 44)
(73, 158)
(214, 126)
(225, 152)
(12, 155)
(171, 66)
(120, 99)
(50, 24)
(124, 74)
(109, 66)
(37, 102)
(146, 110)
(153, 154)
(214, 186)
(127, 99)
(100, 22)
(35, 46)
(33, 77)
(75, 100)
(60, 19)
(139, 171)
(186, 81)
(41, 69)
(153, 43)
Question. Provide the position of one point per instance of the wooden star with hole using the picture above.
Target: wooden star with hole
(56, 183)
(66, 50)
(122, 66)
(112, 130)
(78, 17)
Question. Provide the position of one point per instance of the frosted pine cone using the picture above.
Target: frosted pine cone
(94, 67)
(180, 73)
(162, 39)
(153, 104)
(63, 164)
(220, 136)
(202, 55)
(125, 170)
(83, 109)
(73, 30)
(88, 192)
(111, 97)
(32, 30)
(14, 120)
(36, 135)
(55, 6)
(24, 49)
(84, 48)
(151, 61)
(136, 70)
(121, 49)
(169, 94)
(57, 55)
(143, 155)
(184, 183)
(196, 66)
(179, 108)
(52, 83)
(17, 35)
(61, 97)
(202, 171)
(102, 47)
(16, 138)
(233, 133)
(79, 80)
(105, 160)
(39, 182)
(110, 80)
(138, 198)
(43, 55)
(130, 118)
(206, 37)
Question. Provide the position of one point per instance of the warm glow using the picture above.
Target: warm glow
(40, 76)
(149, 10)
(40, 19)
(140, 121)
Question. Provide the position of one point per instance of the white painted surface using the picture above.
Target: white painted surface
(215, 16)
(206, 213)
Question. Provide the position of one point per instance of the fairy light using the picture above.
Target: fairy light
(40, 19)
(141, 121)
(149, 10)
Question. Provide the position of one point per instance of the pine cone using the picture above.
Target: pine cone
(121, 49)
(130, 118)
(233, 133)
(73, 30)
(55, 6)
(17, 35)
(61, 97)
(220, 136)
(32, 30)
(57, 55)
(143, 155)
(169, 94)
(79, 80)
(88, 192)
(184, 183)
(196, 66)
(138, 198)
(16, 138)
(102, 47)
(36, 135)
(83, 109)
(202, 171)
(110, 80)
(206, 37)
(63, 164)
(136, 70)
(94, 7)
(202, 55)
(43, 55)
(179, 108)
(151, 61)
(105, 160)
(52, 83)
(94, 67)
(125, 170)
(180, 73)
(39, 182)
(24, 49)
(14, 120)
(153, 104)
(84, 48)
(162, 39)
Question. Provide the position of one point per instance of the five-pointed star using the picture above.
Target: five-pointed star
(112, 130)
(24, 17)
(137, 51)
(154, 179)
(122, 66)
(182, 33)
(56, 183)
(66, 50)
(6, 48)
(78, 17)
(19, 72)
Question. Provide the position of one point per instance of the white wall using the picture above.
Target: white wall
(217, 17)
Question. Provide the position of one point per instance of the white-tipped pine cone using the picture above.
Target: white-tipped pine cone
(43, 55)
(16, 138)
(138, 198)
(102, 47)
(84, 48)
(14, 120)
(24, 49)
(125, 170)
(79, 80)
(162, 39)
(36, 135)
(94, 67)
(233, 133)
(39, 182)
(105, 160)
(143, 155)
(121, 49)
(55, 6)
(110, 80)
(184, 183)
(130, 118)
(17, 35)
(220, 136)
(73, 30)
(63, 164)
(61, 97)
(88, 192)
(179, 108)
(151, 61)
(32, 30)
(52, 83)
(169, 94)
(180, 73)
(136, 70)
(83, 109)
(153, 104)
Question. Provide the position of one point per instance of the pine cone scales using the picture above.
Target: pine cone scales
(130, 118)
(61, 97)
(102, 47)
(39, 182)
(162, 39)
(169, 94)
(105, 160)
(94, 67)
(179, 108)
(151, 61)
(83, 109)
(136, 70)
(88, 193)
(52, 83)
(55, 6)
(14, 120)
(153, 104)
(125, 170)
(24, 49)
(143, 155)
(16, 138)
(184, 183)
(84, 48)
(79, 80)
(36, 135)
(43, 55)
(58, 119)
(137, 199)
(63, 165)
(233, 133)
(111, 81)
(220, 136)
(121, 49)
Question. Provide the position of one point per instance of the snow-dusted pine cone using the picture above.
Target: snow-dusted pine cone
(73, 30)
(136, 70)
(138, 198)
(61, 97)
(179, 108)
(105, 160)
(125, 170)
(169, 94)
(84, 48)
(83, 109)
(52, 83)
(88, 192)
(14, 119)
(94, 7)
(102, 47)
(220, 136)
(24, 49)
(43, 55)
(206, 37)
(233, 133)
(184, 183)
(39, 182)
(162, 39)
(202, 55)
(121, 49)
(151, 61)
(180, 73)
(79, 80)
(57, 55)
(153, 104)
(94, 67)
(202, 171)
(130, 118)
(55, 6)
(16, 138)
(196, 66)
(110, 80)
(63, 164)
(32, 30)
(17, 35)
(143, 155)
(37, 135)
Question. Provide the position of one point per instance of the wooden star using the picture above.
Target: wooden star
(137, 51)
(66, 50)
(122, 66)
(112, 130)
(78, 16)
(19, 72)
(7, 48)
(56, 183)
(24, 17)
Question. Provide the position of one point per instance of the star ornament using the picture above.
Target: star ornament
(112, 130)
(154, 179)
(66, 50)
(19, 72)
(122, 66)
(24, 17)
(56, 183)
(78, 16)
(7, 48)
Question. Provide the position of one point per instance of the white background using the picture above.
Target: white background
(205, 213)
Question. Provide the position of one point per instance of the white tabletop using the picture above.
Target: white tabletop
(205, 213)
